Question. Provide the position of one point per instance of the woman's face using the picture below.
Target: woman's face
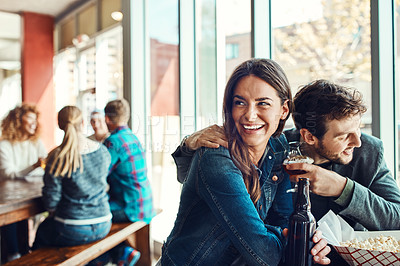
(29, 123)
(256, 111)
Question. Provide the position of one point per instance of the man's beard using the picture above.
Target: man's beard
(321, 150)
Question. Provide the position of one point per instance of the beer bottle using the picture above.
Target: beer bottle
(301, 228)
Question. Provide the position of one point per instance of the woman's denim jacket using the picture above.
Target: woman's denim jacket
(217, 222)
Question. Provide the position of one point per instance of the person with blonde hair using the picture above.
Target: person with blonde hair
(21, 154)
(75, 184)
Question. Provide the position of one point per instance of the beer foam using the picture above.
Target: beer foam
(298, 159)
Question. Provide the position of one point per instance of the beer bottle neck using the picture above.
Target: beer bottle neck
(303, 195)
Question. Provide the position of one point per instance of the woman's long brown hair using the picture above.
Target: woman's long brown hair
(273, 74)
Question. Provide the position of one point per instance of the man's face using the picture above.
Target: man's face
(340, 139)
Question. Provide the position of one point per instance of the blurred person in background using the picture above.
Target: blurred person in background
(21, 154)
(131, 197)
(21, 150)
(74, 191)
(98, 123)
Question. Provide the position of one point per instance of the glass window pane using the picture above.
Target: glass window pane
(109, 67)
(107, 8)
(397, 81)
(164, 122)
(87, 20)
(206, 76)
(67, 32)
(10, 62)
(324, 39)
(66, 92)
(237, 27)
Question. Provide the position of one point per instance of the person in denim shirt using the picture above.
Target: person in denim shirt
(349, 175)
(234, 204)
(74, 191)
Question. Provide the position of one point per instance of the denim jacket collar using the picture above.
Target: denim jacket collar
(275, 149)
(276, 145)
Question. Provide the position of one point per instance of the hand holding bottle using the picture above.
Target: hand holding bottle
(302, 234)
(320, 248)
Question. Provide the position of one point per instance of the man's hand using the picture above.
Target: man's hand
(322, 182)
(319, 250)
(211, 137)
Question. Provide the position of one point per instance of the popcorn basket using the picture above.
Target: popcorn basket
(367, 247)
(361, 256)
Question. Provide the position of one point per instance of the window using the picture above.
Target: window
(323, 39)
(236, 23)
(206, 68)
(232, 51)
(164, 122)
(10, 62)
(397, 82)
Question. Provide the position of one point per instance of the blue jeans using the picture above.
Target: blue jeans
(119, 216)
(54, 233)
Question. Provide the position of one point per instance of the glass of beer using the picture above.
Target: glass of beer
(295, 156)
(43, 163)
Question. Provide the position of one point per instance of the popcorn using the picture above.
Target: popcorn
(379, 243)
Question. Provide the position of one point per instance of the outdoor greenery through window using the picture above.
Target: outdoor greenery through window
(325, 39)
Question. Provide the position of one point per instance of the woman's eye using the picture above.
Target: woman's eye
(237, 102)
(264, 103)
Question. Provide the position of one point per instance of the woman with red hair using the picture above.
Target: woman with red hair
(21, 150)
(21, 154)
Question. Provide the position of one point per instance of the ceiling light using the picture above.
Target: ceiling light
(117, 15)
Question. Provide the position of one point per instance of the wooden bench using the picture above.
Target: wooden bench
(137, 233)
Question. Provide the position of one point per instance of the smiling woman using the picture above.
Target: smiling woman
(21, 150)
(257, 111)
(21, 154)
(234, 207)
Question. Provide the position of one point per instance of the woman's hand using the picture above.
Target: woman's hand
(210, 137)
(319, 250)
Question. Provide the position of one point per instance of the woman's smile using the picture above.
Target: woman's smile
(256, 111)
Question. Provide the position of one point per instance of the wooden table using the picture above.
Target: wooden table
(19, 200)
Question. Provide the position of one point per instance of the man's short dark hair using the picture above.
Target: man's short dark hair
(322, 101)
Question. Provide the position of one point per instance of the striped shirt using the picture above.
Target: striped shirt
(130, 189)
